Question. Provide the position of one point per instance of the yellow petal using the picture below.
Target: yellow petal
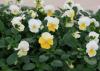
(52, 27)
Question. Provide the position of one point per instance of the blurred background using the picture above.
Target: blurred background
(86, 4)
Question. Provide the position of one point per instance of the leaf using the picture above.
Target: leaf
(12, 59)
(59, 52)
(43, 58)
(91, 61)
(57, 63)
(2, 27)
(28, 66)
(69, 40)
(2, 43)
(99, 66)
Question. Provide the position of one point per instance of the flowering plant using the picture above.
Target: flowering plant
(46, 39)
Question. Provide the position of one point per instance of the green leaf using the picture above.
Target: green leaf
(57, 63)
(59, 52)
(2, 43)
(12, 59)
(99, 65)
(28, 66)
(2, 27)
(69, 40)
(91, 61)
(43, 58)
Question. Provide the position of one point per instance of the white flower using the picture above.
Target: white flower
(49, 9)
(78, 7)
(70, 13)
(84, 22)
(23, 48)
(16, 23)
(52, 24)
(96, 23)
(67, 6)
(20, 27)
(34, 25)
(92, 44)
(14, 9)
(32, 13)
(16, 19)
(76, 34)
(94, 35)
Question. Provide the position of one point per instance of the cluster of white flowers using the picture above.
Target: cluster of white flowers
(16, 23)
(46, 39)
(23, 48)
(92, 46)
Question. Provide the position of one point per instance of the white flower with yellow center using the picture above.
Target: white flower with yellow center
(52, 24)
(46, 40)
(96, 23)
(83, 23)
(16, 23)
(34, 25)
(49, 9)
(94, 35)
(92, 46)
(23, 48)
(70, 13)
(14, 9)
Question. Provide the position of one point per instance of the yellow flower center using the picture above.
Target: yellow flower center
(82, 26)
(52, 27)
(33, 27)
(92, 52)
(45, 43)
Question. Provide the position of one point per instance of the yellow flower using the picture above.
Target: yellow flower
(83, 23)
(52, 24)
(92, 52)
(46, 40)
